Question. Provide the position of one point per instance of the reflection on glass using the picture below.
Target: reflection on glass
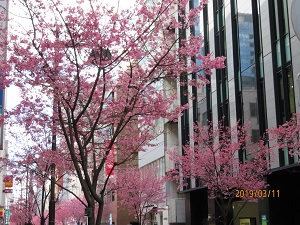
(291, 91)
(276, 20)
(278, 53)
(202, 111)
(248, 80)
(218, 25)
(287, 48)
(285, 17)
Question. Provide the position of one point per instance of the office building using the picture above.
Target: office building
(260, 85)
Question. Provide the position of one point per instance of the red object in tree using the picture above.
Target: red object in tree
(110, 160)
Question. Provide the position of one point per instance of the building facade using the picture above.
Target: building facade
(260, 85)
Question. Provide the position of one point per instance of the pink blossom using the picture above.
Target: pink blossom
(144, 193)
(89, 73)
(214, 160)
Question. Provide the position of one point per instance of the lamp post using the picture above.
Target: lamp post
(52, 172)
(52, 186)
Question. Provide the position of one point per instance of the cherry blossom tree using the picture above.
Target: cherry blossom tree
(31, 168)
(22, 212)
(33, 196)
(70, 210)
(286, 136)
(214, 160)
(88, 71)
(140, 191)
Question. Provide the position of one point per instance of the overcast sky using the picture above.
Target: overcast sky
(12, 94)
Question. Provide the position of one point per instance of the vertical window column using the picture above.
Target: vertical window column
(282, 67)
(184, 96)
(220, 50)
(248, 68)
(207, 51)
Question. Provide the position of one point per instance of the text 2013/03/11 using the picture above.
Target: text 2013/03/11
(239, 193)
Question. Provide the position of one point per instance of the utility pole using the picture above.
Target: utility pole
(52, 171)
(52, 186)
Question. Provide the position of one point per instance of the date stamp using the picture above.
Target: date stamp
(239, 193)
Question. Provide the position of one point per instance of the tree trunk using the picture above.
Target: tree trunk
(91, 218)
(100, 211)
(224, 217)
(43, 221)
(223, 210)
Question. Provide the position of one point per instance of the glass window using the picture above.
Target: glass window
(253, 109)
(285, 17)
(221, 91)
(276, 20)
(281, 96)
(278, 53)
(286, 156)
(220, 50)
(234, 7)
(261, 65)
(223, 15)
(226, 90)
(218, 23)
(287, 48)
(255, 135)
(291, 90)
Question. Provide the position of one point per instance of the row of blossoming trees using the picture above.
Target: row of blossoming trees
(87, 74)
(213, 160)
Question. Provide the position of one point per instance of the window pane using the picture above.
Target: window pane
(218, 18)
(239, 81)
(234, 7)
(276, 20)
(287, 48)
(221, 92)
(223, 16)
(253, 110)
(281, 97)
(226, 90)
(285, 17)
(278, 53)
(291, 91)
(286, 156)
(261, 65)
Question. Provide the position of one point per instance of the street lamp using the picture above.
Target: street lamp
(52, 171)
(52, 186)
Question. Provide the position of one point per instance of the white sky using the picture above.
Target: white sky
(12, 93)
